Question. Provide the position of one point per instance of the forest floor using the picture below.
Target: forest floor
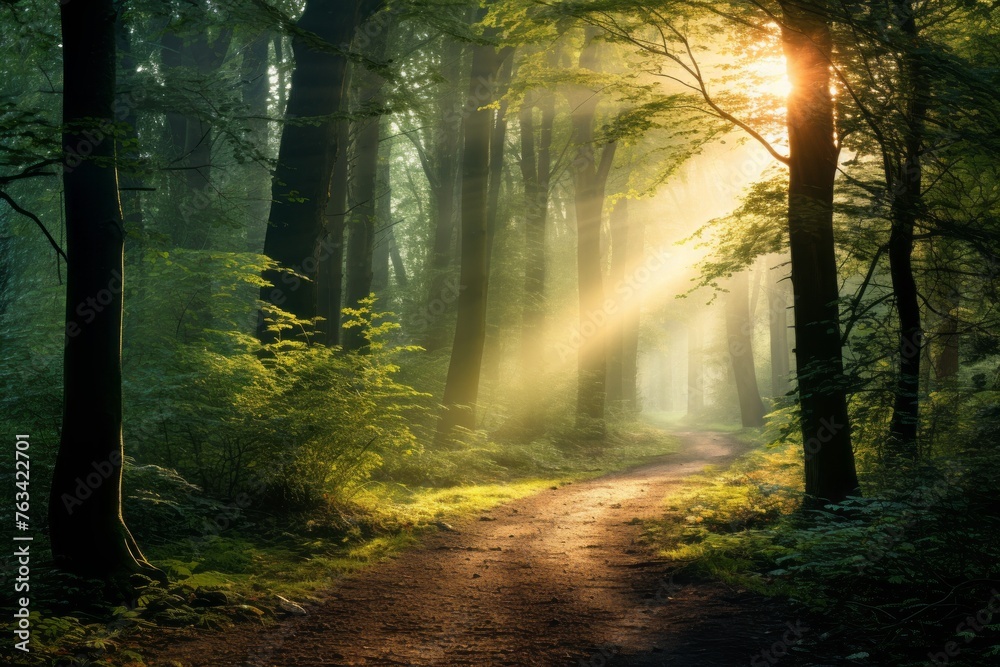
(559, 578)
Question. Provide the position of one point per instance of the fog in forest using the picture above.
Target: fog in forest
(492, 332)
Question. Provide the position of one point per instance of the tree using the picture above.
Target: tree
(439, 155)
(777, 307)
(591, 173)
(739, 335)
(330, 255)
(536, 174)
(88, 532)
(812, 166)
(309, 146)
(462, 388)
(362, 193)
(619, 224)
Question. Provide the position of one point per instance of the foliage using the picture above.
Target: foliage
(888, 575)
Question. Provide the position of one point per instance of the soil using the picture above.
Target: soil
(559, 578)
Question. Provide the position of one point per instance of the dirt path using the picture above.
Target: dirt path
(555, 579)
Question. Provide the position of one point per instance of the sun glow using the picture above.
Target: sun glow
(771, 77)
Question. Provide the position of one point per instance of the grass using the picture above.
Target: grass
(888, 577)
(383, 518)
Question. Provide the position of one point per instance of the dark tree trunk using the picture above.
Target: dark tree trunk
(777, 306)
(946, 362)
(397, 259)
(383, 213)
(300, 188)
(192, 137)
(826, 434)
(739, 335)
(362, 200)
(330, 276)
(498, 141)
(906, 205)
(256, 90)
(443, 186)
(127, 151)
(462, 389)
(536, 168)
(86, 527)
(590, 177)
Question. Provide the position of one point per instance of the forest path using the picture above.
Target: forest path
(559, 578)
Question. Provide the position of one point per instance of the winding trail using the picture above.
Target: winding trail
(559, 578)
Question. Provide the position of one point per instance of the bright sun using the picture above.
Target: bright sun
(772, 76)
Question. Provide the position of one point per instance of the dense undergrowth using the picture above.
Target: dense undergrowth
(908, 574)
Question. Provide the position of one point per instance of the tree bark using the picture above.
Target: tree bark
(906, 206)
(87, 530)
(536, 173)
(256, 90)
(813, 154)
(330, 275)
(462, 387)
(362, 201)
(777, 306)
(590, 178)
(498, 143)
(630, 323)
(739, 334)
(398, 269)
(300, 187)
(192, 137)
(616, 329)
(946, 362)
(383, 211)
(443, 180)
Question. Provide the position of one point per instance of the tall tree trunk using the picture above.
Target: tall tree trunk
(739, 334)
(536, 168)
(777, 307)
(946, 362)
(362, 200)
(826, 434)
(300, 188)
(446, 150)
(616, 328)
(256, 92)
(906, 205)
(127, 151)
(498, 141)
(383, 211)
(630, 321)
(590, 178)
(192, 137)
(398, 269)
(330, 275)
(462, 389)
(86, 527)
(696, 370)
